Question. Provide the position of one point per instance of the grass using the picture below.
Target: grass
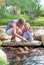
(37, 22)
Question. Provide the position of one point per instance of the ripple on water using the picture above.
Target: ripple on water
(35, 59)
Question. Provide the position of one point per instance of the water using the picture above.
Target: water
(36, 58)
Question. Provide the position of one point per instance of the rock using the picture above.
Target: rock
(42, 39)
(38, 34)
(17, 39)
(37, 37)
(3, 58)
(33, 43)
(3, 35)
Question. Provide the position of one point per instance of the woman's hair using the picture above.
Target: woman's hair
(21, 21)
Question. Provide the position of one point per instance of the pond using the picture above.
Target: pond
(35, 58)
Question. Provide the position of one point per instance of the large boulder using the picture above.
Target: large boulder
(37, 37)
(3, 58)
(38, 34)
(3, 35)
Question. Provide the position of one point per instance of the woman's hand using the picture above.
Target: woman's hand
(20, 32)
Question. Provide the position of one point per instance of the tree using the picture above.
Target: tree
(2, 2)
(28, 7)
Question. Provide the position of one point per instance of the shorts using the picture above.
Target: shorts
(9, 31)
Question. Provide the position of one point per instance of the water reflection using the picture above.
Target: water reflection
(35, 58)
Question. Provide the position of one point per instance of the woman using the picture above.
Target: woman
(27, 33)
(15, 28)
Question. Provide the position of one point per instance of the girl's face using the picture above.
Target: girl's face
(26, 28)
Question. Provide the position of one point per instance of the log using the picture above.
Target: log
(14, 44)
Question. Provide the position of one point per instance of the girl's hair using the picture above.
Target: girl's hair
(27, 24)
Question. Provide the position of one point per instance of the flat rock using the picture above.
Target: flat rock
(33, 43)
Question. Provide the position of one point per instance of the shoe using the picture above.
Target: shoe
(13, 39)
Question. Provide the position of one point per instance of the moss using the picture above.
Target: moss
(2, 61)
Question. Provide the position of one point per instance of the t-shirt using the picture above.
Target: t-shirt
(28, 36)
(10, 24)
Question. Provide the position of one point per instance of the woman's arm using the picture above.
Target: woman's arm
(15, 34)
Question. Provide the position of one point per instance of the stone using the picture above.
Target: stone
(3, 35)
(3, 58)
(36, 43)
(38, 34)
(37, 37)
(33, 43)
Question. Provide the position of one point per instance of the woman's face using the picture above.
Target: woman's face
(20, 25)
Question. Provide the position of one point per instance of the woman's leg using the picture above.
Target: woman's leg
(13, 37)
(9, 31)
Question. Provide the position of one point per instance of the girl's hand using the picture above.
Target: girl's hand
(25, 40)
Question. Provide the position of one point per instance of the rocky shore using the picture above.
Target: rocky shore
(36, 58)
(37, 31)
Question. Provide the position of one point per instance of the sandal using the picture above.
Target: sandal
(13, 39)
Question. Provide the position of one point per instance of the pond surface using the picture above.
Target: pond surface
(35, 58)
